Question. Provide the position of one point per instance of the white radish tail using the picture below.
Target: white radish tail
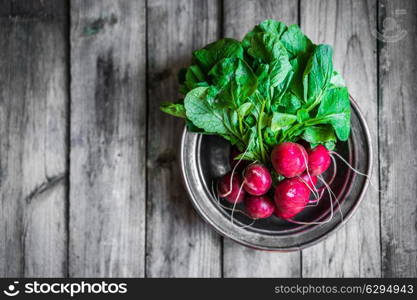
(352, 168)
(216, 193)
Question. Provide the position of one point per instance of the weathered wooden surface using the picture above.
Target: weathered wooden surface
(89, 177)
(354, 251)
(33, 135)
(398, 139)
(179, 243)
(239, 261)
(108, 133)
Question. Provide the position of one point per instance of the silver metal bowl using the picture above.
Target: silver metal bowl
(205, 158)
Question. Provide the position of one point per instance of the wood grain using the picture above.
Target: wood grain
(33, 148)
(398, 137)
(6, 8)
(179, 244)
(238, 261)
(354, 251)
(241, 16)
(39, 8)
(108, 133)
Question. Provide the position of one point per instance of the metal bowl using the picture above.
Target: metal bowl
(204, 158)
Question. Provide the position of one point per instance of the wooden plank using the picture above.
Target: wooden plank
(239, 261)
(33, 145)
(6, 8)
(108, 130)
(39, 8)
(241, 16)
(398, 137)
(179, 243)
(354, 251)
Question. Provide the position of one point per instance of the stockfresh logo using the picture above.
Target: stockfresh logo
(391, 31)
(12, 289)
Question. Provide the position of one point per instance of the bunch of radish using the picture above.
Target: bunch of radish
(254, 185)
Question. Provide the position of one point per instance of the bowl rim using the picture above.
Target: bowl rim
(307, 244)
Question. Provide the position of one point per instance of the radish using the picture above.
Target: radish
(289, 159)
(259, 207)
(257, 180)
(291, 197)
(230, 188)
(318, 160)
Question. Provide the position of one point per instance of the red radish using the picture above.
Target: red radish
(309, 180)
(259, 207)
(318, 160)
(257, 180)
(291, 196)
(231, 188)
(289, 159)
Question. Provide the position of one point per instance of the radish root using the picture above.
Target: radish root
(330, 191)
(352, 168)
(215, 193)
(317, 223)
(235, 202)
(234, 171)
(315, 192)
(233, 209)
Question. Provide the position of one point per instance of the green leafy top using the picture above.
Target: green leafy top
(274, 86)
